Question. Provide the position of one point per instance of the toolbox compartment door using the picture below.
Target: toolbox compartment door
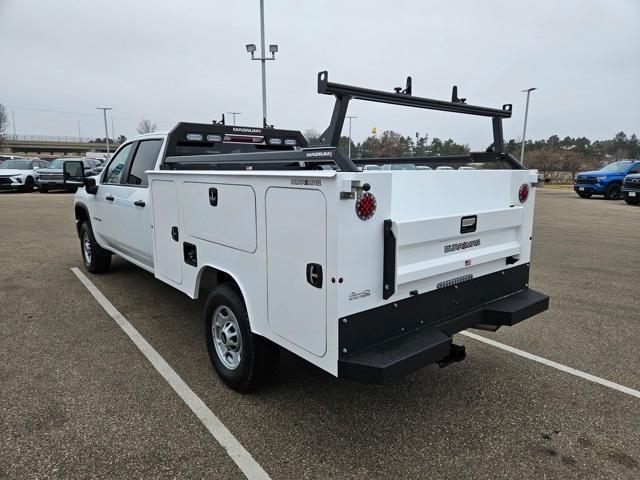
(296, 266)
(166, 233)
(225, 214)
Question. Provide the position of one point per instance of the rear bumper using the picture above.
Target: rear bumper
(424, 339)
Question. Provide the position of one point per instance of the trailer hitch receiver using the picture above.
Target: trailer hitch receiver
(457, 353)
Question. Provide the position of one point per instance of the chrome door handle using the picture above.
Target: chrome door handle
(109, 198)
(139, 203)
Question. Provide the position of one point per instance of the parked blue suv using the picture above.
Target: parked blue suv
(606, 181)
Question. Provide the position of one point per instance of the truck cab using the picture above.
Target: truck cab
(117, 211)
(607, 181)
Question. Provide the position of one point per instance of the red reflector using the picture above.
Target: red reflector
(523, 193)
(366, 206)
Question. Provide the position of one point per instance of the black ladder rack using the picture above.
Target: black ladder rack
(345, 93)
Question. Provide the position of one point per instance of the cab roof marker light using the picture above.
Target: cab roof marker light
(290, 141)
(243, 138)
(275, 141)
(194, 137)
(214, 138)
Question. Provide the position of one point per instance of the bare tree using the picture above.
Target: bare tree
(145, 126)
(312, 136)
(4, 121)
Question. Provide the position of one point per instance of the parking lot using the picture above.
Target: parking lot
(79, 399)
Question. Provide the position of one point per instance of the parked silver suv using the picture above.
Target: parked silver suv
(51, 178)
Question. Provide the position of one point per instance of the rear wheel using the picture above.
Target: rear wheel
(242, 360)
(613, 192)
(584, 195)
(95, 258)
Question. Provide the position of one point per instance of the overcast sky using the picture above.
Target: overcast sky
(185, 60)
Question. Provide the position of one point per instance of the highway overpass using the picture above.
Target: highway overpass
(40, 145)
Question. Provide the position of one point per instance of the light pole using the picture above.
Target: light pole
(13, 122)
(234, 115)
(113, 130)
(350, 117)
(106, 130)
(251, 48)
(524, 130)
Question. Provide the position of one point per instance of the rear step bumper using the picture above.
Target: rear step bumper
(394, 358)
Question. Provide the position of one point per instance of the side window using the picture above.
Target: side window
(635, 169)
(144, 159)
(114, 171)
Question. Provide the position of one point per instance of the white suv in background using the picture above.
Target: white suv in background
(20, 174)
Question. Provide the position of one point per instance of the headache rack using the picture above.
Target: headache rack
(267, 156)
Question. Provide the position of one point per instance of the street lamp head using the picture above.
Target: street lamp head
(529, 90)
(251, 48)
(273, 48)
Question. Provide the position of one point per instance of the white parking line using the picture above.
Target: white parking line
(557, 366)
(243, 459)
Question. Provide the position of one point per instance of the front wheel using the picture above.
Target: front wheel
(613, 192)
(95, 258)
(43, 189)
(631, 201)
(242, 360)
(29, 184)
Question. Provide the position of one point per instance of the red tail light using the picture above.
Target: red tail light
(523, 193)
(366, 206)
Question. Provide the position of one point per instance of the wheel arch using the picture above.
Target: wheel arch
(209, 276)
(82, 215)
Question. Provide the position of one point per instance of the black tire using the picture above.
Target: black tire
(29, 185)
(630, 201)
(250, 360)
(584, 195)
(613, 192)
(43, 189)
(95, 258)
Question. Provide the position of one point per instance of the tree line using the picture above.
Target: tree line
(393, 144)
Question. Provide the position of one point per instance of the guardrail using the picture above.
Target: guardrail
(53, 139)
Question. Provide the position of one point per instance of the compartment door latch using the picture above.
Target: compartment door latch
(314, 274)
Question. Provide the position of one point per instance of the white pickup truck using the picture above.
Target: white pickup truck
(366, 274)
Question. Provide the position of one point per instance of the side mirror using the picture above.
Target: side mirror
(73, 173)
(91, 186)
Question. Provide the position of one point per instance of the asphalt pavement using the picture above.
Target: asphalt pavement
(79, 400)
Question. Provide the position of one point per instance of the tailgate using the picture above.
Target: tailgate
(445, 235)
